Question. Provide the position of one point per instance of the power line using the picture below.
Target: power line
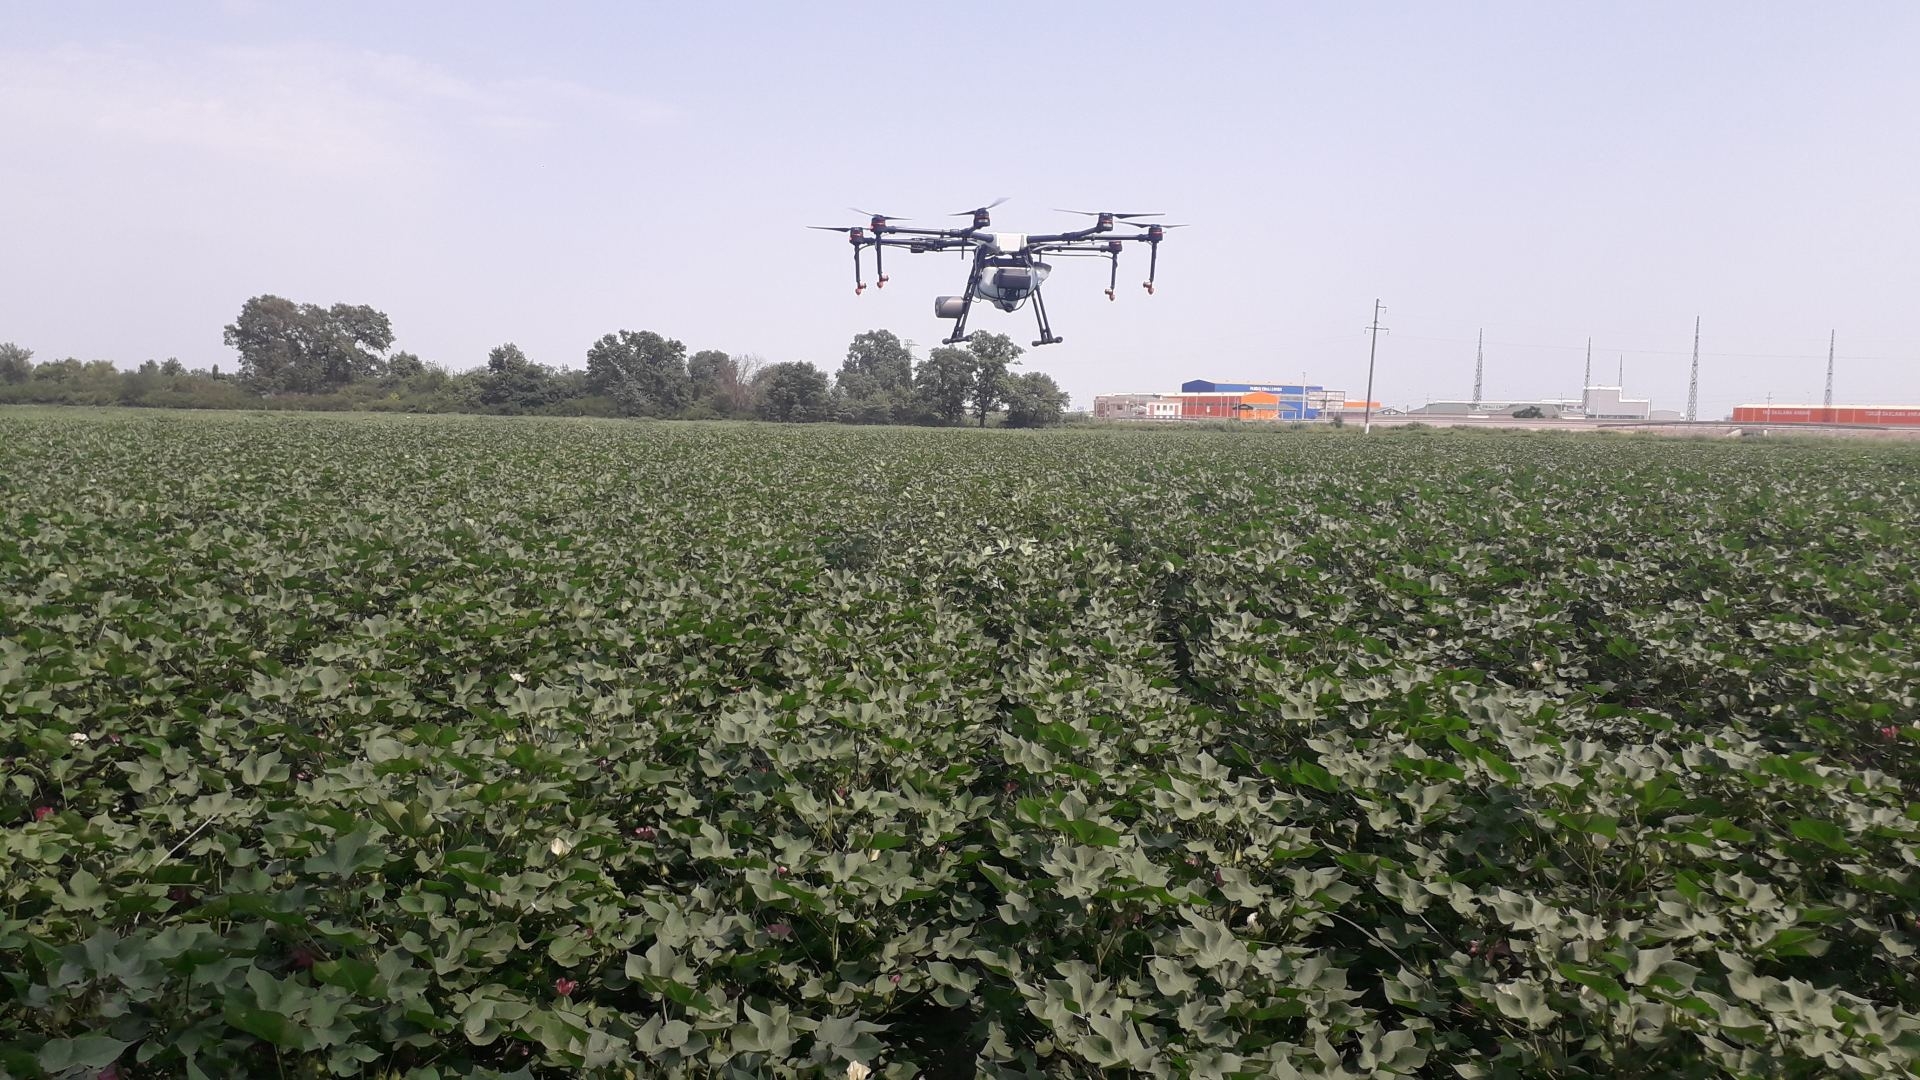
(1651, 352)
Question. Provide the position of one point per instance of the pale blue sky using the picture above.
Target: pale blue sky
(548, 173)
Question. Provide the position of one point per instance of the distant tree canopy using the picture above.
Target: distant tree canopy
(304, 356)
(942, 385)
(992, 354)
(16, 363)
(794, 392)
(644, 373)
(875, 382)
(1033, 400)
(307, 349)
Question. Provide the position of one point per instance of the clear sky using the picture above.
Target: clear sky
(547, 173)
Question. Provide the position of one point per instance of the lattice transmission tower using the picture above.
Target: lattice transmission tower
(1693, 381)
(1479, 364)
(1829, 400)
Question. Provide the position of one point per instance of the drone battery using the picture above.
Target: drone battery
(948, 307)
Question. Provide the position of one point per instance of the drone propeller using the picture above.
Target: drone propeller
(839, 228)
(877, 217)
(981, 209)
(1104, 213)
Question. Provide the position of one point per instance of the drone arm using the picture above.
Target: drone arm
(1065, 237)
(895, 230)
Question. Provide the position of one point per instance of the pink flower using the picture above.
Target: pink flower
(780, 870)
(302, 958)
(42, 813)
(111, 1072)
(1890, 733)
(565, 987)
(894, 978)
(780, 930)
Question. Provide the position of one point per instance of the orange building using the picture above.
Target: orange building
(1901, 415)
(1226, 405)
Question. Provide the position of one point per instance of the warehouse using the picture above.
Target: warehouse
(1291, 401)
(1136, 407)
(1901, 415)
(1607, 403)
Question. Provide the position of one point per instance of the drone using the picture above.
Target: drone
(1008, 268)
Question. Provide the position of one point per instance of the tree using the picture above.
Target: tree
(304, 348)
(1034, 400)
(739, 384)
(942, 383)
(707, 371)
(644, 373)
(16, 363)
(992, 353)
(401, 367)
(512, 380)
(875, 382)
(794, 392)
(172, 368)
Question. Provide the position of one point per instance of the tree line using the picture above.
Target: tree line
(305, 356)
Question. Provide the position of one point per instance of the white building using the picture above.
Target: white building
(1606, 403)
(1136, 407)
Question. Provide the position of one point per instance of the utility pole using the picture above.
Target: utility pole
(1693, 381)
(1367, 421)
(1586, 381)
(1828, 403)
(1479, 364)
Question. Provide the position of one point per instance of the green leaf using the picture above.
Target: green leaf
(1607, 985)
(85, 1051)
(348, 974)
(275, 1028)
(1090, 833)
(351, 852)
(1311, 775)
(1824, 833)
